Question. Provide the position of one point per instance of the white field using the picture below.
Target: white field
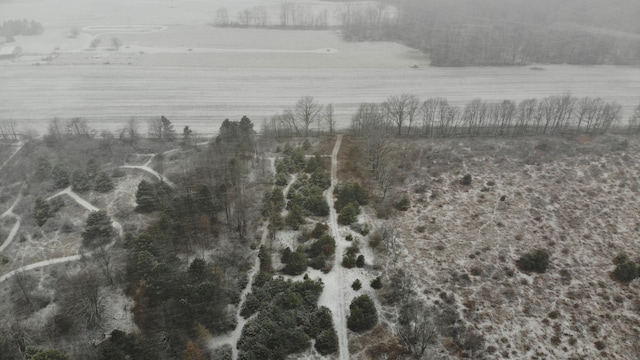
(173, 63)
(201, 97)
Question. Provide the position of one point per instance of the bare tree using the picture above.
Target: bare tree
(105, 263)
(260, 16)
(328, 117)
(78, 127)
(116, 43)
(81, 298)
(95, 43)
(634, 121)
(244, 17)
(8, 130)
(307, 112)
(222, 17)
(401, 108)
(417, 328)
(24, 284)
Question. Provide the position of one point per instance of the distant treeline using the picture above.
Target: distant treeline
(406, 115)
(502, 32)
(11, 28)
(291, 16)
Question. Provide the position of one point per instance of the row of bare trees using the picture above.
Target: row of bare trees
(435, 117)
(292, 15)
(299, 120)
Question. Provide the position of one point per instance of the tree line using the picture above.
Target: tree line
(465, 33)
(11, 28)
(291, 15)
(435, 117)
(300, 120)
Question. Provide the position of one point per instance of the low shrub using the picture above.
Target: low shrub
(536, 261)
(356, 285)
(376, 283)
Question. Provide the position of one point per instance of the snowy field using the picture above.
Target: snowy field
(173, 63)
(201, 97)
(576, 199)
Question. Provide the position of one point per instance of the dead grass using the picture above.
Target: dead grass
(571, 197)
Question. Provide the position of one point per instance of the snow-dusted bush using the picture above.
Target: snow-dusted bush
(356, 285)
(363, 314)
(536, 260)
(327, 342)
(349, 214)
(376, 283)
(626, 270)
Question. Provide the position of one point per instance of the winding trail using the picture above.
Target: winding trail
(85, 204)
(152, 172)
(233, 337)
(145, 167)
(334, 297)
(20, 145)
(16, 226)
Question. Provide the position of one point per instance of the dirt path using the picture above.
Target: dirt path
(20, 145)
(233, 337)
(16, 226)
(334, 294)
(152, 172)
(82, 202)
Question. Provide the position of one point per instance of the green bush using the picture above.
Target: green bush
(319, 230)
(536, 260)
(363, 314)
(360, 261)
(349, 214)
(103, 183)
(349, 260)
(376, 283)
(327, 342)
(349, 193)
(297, 263)
(626, 271)
(466, 180)
(356, 285)
(403, 204)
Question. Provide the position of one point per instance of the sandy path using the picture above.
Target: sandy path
(82, 202)
(233, 337)
(152, 172)
(334, 294)
(20, 145)
(16, 226)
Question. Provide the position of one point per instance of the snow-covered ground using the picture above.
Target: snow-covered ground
(578, 199)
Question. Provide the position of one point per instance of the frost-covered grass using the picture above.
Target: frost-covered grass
(576, 199)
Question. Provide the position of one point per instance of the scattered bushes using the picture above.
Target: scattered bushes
(536, 261)
(363, 314)
(288, 318)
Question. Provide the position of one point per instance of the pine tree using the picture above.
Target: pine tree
(80, 181)
(41, 211)
(60, 176)
(146, 197)
(98, 229)
(103, 183)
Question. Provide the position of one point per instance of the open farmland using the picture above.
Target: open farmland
(201, 97)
